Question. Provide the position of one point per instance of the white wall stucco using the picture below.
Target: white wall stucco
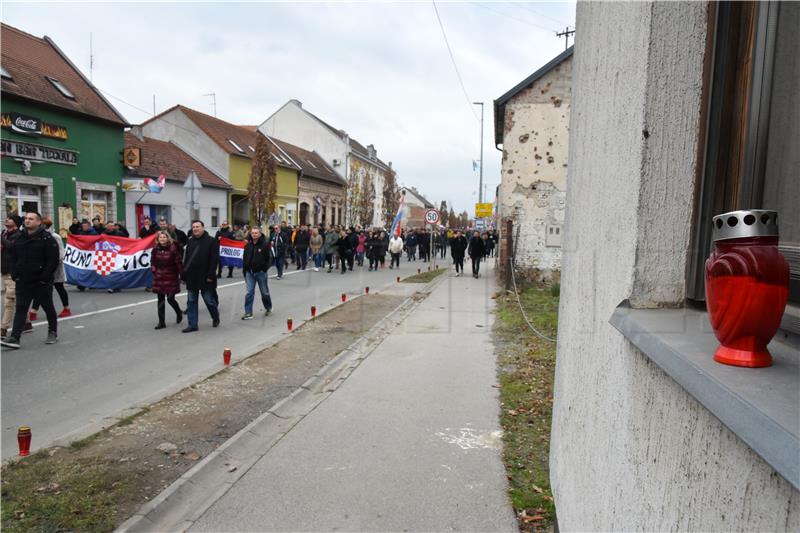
(534, 168)
(174, 195)
(631, 450)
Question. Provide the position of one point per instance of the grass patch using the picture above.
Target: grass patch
(526, 371)
(82, 443)
(43, 493)
(424, 277)
(128, 420)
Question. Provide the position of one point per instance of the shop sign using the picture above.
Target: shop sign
(37, 152)
(26, 125)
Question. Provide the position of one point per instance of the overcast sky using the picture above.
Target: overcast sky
(380, 71)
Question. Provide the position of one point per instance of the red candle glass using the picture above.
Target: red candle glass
(366, 290)
(747, 286)
(344, 297)
(289, 323)
(313, 311)
(226, 356)
(24, 440)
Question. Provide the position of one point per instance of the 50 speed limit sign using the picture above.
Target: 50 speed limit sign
(432, 216)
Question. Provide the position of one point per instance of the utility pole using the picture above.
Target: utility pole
(213, 101)
(566, 33)
(480, 185)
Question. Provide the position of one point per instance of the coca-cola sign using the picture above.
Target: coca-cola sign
(26, 125)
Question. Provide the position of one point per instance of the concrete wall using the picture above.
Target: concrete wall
(176, 127)
(631, 450)
(534, 168)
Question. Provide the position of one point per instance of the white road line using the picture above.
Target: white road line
(143, 302)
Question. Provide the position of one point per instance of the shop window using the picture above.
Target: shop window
(94, 203)
(21, 199)
(324, 214)
(215, 217)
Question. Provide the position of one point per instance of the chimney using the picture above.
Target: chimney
(373, 154)
(298, 103)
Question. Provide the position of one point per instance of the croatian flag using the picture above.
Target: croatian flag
(108, 262)
(156, 186)
(231, 253)
(398, 219)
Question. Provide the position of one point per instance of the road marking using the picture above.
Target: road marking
(143, 302)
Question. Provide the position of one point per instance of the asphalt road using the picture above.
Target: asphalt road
(109, 359)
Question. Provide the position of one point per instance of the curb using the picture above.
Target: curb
(182, 503)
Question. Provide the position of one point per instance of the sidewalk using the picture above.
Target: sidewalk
(410, 441)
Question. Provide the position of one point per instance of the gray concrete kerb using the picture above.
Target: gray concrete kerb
(178, 506)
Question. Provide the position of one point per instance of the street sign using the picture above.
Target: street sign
(483, 210)
(432, 216)
(480, 224)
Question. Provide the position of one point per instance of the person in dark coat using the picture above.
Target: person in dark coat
(302, 240)
(13, 224)
(373, 243)
(148, 228)
(277, 243)
(476, 251)
(383, 245)
(34, 260)
(86, 228)
(123, 231)
(344, 249)
(224, 232)
(75, 227)
(458, 246)
(167, 267)
(256, 261)
(200, 259)
(411, 245)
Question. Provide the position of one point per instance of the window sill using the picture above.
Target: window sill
(761, 406)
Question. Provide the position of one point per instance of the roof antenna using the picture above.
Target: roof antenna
(566, 33)
(91, 58)
(213, 102)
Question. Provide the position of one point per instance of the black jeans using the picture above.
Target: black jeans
(476, 265)
(26, 293)
(395, 260)
(373, 262)
(62, 293)
(219, 270)
(302, 258)
(459, 261)
(170, 298)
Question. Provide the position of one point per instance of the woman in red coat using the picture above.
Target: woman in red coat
(167, 268)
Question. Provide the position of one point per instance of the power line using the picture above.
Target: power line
(529, 8)
(453, 59)
(503, 14)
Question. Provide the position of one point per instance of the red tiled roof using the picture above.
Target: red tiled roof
(310, 162)
(159, 157)
(222, 132)
(30, 60)
(356, 146)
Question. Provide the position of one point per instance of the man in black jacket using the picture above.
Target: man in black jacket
(277, 243)
(34, 259)
(301, 242)
(476, 252)
(200, 261)
(256, 262)
(458, 245)
(9, 236)
(225, 232)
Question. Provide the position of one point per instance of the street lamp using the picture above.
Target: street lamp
(480, 186)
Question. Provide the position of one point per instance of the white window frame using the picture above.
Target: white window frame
(233, 143)
(60, 87)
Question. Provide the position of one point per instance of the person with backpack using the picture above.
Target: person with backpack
(257, 256)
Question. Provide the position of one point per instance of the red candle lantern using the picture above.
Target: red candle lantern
(419, 270)
(289, 323)
(24, 440)
(313, 311)
(344, 297)
(747, 286)
(398, 279)
(366, 290)
(226, 356)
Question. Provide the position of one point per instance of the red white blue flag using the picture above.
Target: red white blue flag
(156, 186)
(398, 219)
(108, 262)
(231, 253)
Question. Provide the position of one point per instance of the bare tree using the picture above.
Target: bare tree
(262, 187)
(390, 197)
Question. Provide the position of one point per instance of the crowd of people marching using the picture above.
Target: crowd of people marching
(33, 262)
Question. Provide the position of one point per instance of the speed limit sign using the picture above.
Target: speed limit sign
(432, 216)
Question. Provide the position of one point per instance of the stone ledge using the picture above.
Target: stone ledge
(760, 405)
